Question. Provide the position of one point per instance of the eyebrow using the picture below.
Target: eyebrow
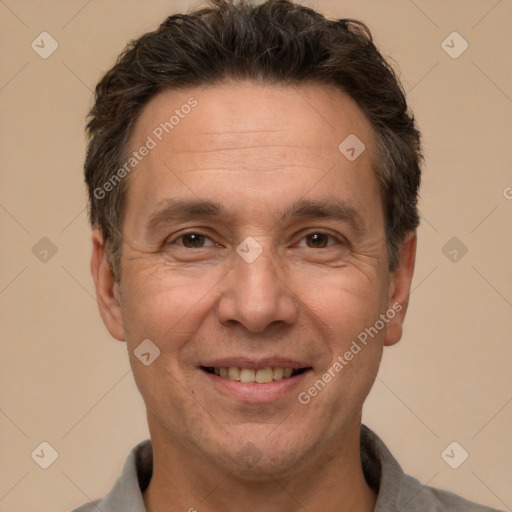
(183, 210)
(339, 210)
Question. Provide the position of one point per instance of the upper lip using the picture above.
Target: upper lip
(254, 363)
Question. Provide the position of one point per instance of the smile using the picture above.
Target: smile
(260, 376)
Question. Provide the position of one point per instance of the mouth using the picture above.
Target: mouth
(255, 381)
(250, 375)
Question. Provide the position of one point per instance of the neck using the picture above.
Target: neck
(332, 479)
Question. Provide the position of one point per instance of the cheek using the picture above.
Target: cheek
(343, 303)
(166, 306)
(344, 309)
(345, 318)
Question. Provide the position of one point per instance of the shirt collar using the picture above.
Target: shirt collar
(381, 470)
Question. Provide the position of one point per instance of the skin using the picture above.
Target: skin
(255, 149)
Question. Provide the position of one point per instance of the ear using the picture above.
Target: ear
(107, 289)
(400, 288)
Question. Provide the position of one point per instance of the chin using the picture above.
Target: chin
(254, 457)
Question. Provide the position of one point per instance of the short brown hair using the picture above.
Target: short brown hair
(277, 42)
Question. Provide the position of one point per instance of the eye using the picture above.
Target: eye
(193, 241)
(318, 240)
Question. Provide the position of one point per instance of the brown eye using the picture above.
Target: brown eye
(193, 240)
(317, 240)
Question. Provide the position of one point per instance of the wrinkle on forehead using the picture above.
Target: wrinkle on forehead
(294, 114)
(249, 130)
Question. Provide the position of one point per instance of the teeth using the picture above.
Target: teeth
(278, 373)
(265, 375)
(247, 375)
(261, 376)
(234, 373)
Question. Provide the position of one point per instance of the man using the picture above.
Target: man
(253, 174)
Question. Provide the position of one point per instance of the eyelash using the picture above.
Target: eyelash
(329, 235)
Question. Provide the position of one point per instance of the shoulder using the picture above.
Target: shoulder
(399, 491)
(92, 506)
(415, 496)
(126, 495)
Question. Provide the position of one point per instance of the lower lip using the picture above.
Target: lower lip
(252, 392)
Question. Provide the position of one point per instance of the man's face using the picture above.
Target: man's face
(260, 162)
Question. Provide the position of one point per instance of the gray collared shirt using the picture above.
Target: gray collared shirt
(396, 490)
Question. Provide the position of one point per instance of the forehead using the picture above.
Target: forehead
(260, 137)
(306, 116)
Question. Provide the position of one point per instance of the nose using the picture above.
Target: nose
(257, 295)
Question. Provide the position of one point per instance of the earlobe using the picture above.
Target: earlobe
(107, 290)
(400, 288)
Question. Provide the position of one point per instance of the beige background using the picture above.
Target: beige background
(65, 381)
